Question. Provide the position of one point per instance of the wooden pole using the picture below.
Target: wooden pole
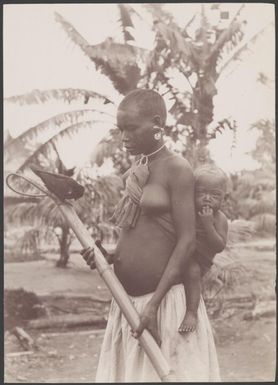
(146, 340)
(114, 285)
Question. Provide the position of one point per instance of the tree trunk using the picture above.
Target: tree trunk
(64, 247)
(203, 155)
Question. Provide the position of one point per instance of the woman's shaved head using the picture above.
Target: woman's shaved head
(147, 102)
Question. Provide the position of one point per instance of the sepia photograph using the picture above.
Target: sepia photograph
(139, 192)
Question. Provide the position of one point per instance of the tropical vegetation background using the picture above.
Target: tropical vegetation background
(67, 66)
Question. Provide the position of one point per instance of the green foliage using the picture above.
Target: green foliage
(65, 94)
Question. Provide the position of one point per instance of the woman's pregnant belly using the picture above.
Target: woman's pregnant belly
(141, 256)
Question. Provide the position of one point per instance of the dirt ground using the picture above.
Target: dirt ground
(246, 348)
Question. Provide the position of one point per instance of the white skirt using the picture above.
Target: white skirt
(192, 356)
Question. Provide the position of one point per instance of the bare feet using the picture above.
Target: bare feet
(189, 323)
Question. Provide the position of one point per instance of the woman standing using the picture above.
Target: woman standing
(157, 221)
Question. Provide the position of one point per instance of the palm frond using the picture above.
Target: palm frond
(71, 32)
(115, 60)
(101, 195)
(172, 50)
(227, 41)
(119, 62)
(126, 22)
(48, 214)
(138, 14)
(14, 200)
(106, 147)
(64, 94)
(45, 150)
(175, 41)
(35, 136)
(159, 13)
(20, 213)
(188, 24)
(221, 126)
(40, 215)
(239, 48)
(29, 242)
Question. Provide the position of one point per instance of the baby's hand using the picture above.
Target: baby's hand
(206, 215)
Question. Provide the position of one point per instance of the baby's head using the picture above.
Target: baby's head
(210, 187)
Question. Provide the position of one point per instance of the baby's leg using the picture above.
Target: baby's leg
(192, 286)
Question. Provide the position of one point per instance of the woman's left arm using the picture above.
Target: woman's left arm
(181, 185)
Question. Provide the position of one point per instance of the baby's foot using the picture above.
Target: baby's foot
(189, 323)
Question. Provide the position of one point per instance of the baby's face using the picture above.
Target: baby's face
(209, 191)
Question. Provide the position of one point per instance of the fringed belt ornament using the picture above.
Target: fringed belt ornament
(128, 209)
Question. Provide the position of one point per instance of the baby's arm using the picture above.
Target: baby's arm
(216, 229)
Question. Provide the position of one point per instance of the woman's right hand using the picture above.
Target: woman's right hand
(148, 320)
(89, 255)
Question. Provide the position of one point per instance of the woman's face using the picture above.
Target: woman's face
(136, 130)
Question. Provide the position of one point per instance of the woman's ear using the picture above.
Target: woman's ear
(157, 122)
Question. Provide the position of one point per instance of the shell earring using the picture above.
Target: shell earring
(157, 135)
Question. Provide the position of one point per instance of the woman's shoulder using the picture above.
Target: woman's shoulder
(177, 171)
(177, 163)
